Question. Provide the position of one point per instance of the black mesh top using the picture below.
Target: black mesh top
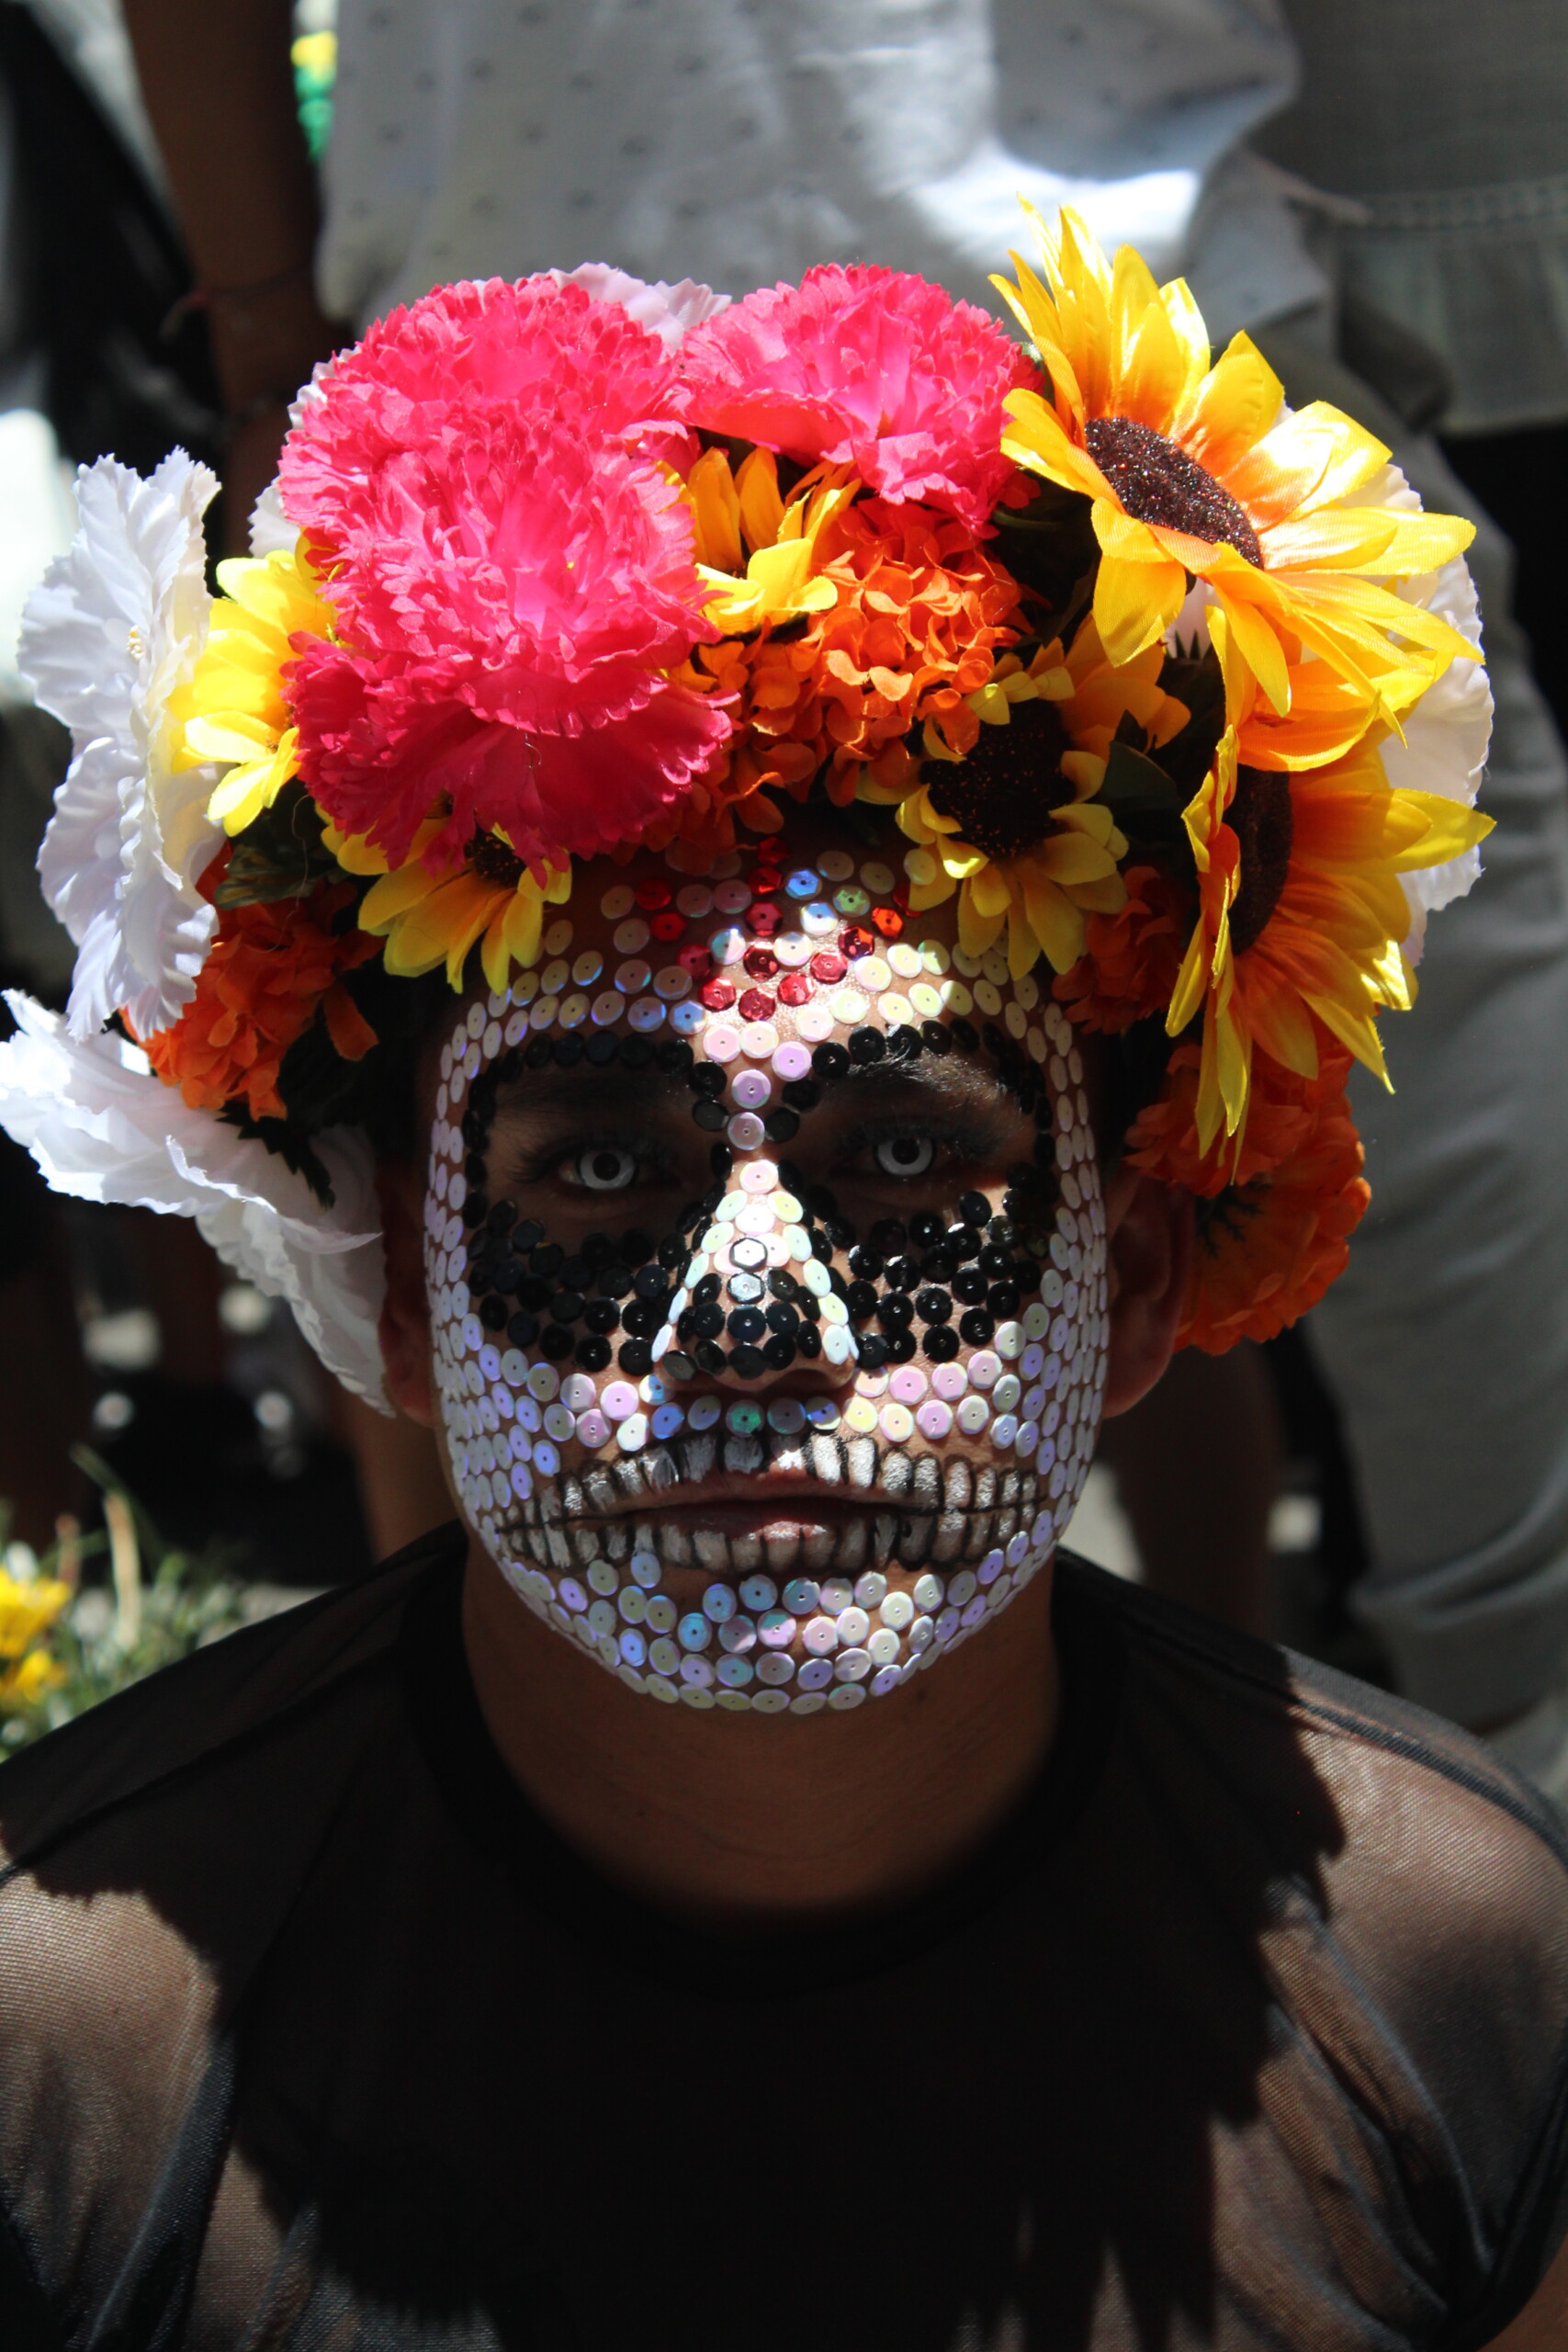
(1247, 2030)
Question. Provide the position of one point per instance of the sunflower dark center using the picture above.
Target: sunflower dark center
(1262, 820)
(1001, 797)
(494, 861)
(1158, 482)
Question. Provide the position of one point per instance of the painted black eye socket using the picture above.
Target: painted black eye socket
(604, 1170)
(905, 1155)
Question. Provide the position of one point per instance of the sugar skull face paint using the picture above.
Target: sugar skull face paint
(766, 1258)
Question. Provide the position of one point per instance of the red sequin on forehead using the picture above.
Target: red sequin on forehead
(857, 941)
(888, 922)
(756, 1005)
(669, 925)
(717, 995)
(760, 962)
(828, 967)
(651, 893)
(764, 921)
(695, 959)
(795, 988)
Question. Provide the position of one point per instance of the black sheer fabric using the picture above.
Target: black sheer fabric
(1248, 2031)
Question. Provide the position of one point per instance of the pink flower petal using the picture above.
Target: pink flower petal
(510, 569)
(873, 369)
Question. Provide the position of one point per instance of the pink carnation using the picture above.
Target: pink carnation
(512, 572)
(869, 367)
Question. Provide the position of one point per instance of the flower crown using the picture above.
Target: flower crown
(1172, 688)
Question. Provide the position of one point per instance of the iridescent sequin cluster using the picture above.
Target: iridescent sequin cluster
(572, 1378)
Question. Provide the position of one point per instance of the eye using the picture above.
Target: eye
(905, 1155)
(604, 1170)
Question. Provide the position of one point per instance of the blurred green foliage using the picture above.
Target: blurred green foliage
(69, 1639)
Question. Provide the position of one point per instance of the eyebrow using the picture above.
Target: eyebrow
(956, 1082)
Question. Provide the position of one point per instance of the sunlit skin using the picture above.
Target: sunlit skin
(739, 1821)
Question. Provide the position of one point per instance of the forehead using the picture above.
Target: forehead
(794, 951)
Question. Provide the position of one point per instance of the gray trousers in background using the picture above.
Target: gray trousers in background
(1445, 1343)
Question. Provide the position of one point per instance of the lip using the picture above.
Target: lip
(755, 1498)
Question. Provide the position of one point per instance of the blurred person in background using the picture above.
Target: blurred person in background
(753, 140)
(103, 350)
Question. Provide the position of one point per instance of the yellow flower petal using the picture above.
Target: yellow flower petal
(1134, 603)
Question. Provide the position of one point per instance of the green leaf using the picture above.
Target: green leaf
(1194, 679)
(1050, 547)
(280, 854)
(1137, 788)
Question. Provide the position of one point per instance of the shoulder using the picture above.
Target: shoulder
(1407, 1898)
(1413, 1831)
(143, 1833)
(150, 1853)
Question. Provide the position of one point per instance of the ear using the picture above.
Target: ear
(404, 1327)
(1149, 1230)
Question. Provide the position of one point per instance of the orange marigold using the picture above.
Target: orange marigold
(920, 608)
(1132, 957)
(1163, 1139)
(1270, 1245)
(269, 966)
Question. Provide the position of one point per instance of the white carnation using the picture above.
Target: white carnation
(101, 1126)
(1445, 734)
(272, 533)
(668, 312)
(116, 626)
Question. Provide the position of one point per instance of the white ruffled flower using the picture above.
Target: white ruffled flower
(1445, 734)
(1446, 739)
(668, 312)
(272, 533)
(116, 626)
(102, 1128)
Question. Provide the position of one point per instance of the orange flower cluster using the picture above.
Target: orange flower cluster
(919, 609)
(270, 965)
(1135, 955)
(1275, 1233)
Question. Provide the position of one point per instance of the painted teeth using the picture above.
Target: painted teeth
(701, 1452)
(852, 1544)
(915, 1539)
(827, 1460)
(945, 1512)
(674, 1547)
(951, 1532)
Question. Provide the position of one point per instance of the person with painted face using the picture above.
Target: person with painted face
(753, 911)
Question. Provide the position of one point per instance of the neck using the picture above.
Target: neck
(739, 1821)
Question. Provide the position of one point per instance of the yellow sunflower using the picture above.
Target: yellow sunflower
(234, 706)
(1300, 914)
(1013, 825)
(759, 557)
(1195, 474)
(429, 917)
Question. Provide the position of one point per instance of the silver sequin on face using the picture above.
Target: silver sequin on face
(552, 1460)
